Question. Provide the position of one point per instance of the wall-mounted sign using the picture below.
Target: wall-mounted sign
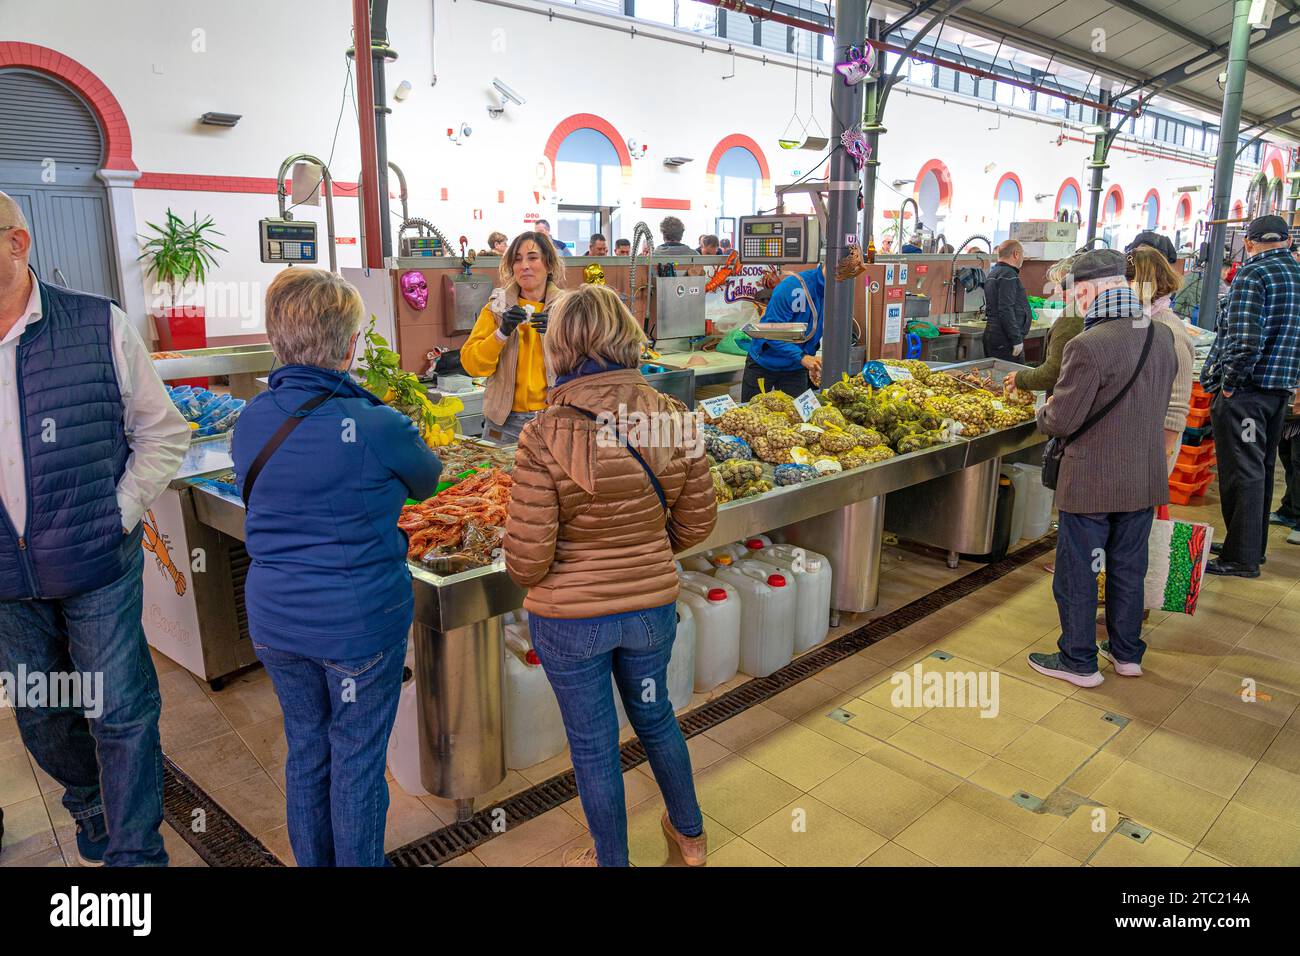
(895, 293)
(893, 331)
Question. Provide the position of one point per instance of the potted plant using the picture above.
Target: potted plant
(179, 252)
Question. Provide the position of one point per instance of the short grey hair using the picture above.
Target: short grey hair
(11, 214)
(311, 316)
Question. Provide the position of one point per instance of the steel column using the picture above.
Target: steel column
(372, 254)
(842, 204)
(1224, 166)
(1100, 147)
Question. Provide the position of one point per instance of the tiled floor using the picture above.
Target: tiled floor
(1215, 779)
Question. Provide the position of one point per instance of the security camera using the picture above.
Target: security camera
(506, 92)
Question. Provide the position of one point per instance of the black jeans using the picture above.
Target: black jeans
(1247, 431)
(1085, 545)
(1288, 453)
(792, 383)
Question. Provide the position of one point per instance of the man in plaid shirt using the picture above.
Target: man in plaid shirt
(1253, 366)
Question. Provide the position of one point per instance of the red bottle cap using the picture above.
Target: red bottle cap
(532, 658)
(776, 580)
(755, 544)
(716, 594)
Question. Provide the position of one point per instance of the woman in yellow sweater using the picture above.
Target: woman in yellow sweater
(506, 343)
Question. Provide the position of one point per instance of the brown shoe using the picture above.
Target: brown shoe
(585, 856)
(694, 850)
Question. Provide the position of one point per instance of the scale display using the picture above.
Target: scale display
(287, 241)
(416, 246)
(777, 240)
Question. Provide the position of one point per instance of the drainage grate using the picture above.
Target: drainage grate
(458, 838)
(223, 840)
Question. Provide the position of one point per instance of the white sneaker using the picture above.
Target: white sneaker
(1050, 665)
(1122, 668)
(1293, 537)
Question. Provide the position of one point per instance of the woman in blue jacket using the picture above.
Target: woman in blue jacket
(328, 594)
(788, 366)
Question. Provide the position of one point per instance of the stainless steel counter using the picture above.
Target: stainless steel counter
(240, 363)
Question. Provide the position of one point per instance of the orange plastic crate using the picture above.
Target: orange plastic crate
(1201, 401)
(1198, 417)
(1190, 474)
(1201, 454)
(1181, 493)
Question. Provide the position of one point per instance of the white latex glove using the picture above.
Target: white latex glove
(1019, 349)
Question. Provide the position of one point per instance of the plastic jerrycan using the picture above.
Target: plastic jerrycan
(1019, 476)
(715, 605)
(767, 606)
(756, 543)
(533, 725)
(812, 574)
(1038, 510)
(404, 741)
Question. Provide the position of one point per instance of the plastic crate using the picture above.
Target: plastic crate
(1198, 417)
(1201, 402)
(1196, 436)
(1197, 454)
(1182, 493)
(1190, 474)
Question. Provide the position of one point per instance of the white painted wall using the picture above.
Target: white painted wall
(282, 67)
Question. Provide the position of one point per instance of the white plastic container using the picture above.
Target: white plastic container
(756, 543)
(767, 606)
(737, 550)
(710, 561)
(812, 576)
(533, 725)
(715, 605)
(695, 564)
(1020, 477)
(681, 665)
(404, 742)
(1038, 511)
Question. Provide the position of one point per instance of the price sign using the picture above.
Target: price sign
(807, 404)
(997, 405)
(893, 331)
(717, 405)
(902, 273)
(895, 293)
(898, 374)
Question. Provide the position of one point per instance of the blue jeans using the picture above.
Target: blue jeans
(1121, 537)
(338, 715)
(578, 655)
(109, 763)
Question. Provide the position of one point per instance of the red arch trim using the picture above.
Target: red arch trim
(587, 121)
(743, 142)
(1013, 178)
(1238, 208)
(942, 174)
(1184, 211)
(1150, 193)
(1078, 191)
(117, 133)
(1119, 203)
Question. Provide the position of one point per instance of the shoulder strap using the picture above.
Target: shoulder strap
(807, 294)
(1102, 412)
(654, 481)
(276, 440)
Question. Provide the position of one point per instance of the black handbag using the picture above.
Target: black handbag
(1054, 451)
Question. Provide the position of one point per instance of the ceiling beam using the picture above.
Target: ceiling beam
(1286, 23)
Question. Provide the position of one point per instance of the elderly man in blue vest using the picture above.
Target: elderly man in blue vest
(88, 439)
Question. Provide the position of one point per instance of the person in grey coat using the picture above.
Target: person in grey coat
(1006, 305)
(1112, 475)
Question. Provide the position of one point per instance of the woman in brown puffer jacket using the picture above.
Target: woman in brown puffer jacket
(610, 479)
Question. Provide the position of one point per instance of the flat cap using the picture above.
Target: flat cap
(1099, 264)
(1268, 229)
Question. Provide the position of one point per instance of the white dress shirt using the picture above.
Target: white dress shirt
(156, 432)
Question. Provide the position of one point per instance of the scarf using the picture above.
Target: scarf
(590, 366)
(1119, 303)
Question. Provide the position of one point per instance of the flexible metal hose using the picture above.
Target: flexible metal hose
(418, 224)
(956, 251)
(641, 234)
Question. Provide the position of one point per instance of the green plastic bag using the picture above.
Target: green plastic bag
(735, 342)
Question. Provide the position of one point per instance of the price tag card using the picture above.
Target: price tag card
(717, 405)
(807, 404)
(897, 374)
(902, 273)
(893, 331)
(889, 273)
(997, 404)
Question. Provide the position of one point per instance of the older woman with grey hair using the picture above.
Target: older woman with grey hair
(324, 468)
(1043, 378)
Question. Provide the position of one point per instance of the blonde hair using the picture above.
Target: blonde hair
(311, 316)
(592, 322)
(1151, 275)
(554, 267)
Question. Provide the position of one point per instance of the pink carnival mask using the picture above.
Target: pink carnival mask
(415, 290)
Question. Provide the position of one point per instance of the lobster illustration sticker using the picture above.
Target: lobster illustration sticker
(171, 618)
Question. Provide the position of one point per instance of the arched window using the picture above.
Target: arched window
(933, 194)
(1069, 197)
(1151, 210)
(587, 169)
(1183, 222)
(1238, 209)
(1007, 197)
(1256, 197)
(740, 181)
(1274, 204)
(1112, 208)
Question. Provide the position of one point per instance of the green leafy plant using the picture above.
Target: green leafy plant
(382, 374)
(179, 251)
